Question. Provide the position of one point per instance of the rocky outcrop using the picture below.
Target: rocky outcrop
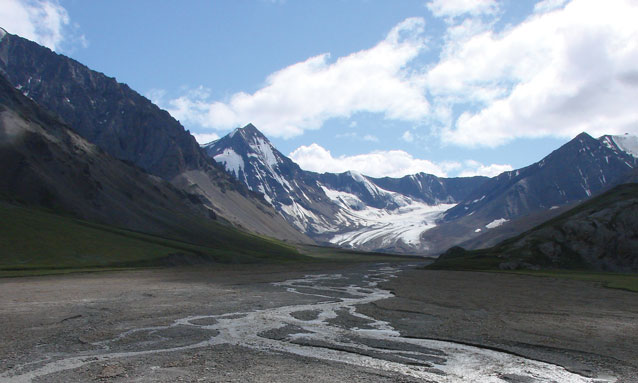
(600, 234)
(45, 164)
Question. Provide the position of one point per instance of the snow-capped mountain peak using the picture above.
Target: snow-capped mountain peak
(420, 212)
(335, 208)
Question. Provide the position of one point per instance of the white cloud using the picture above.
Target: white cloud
(304, 95)
(548, 5)
(455, 8)
(475, 168)
(391, 163)
(569, 67)
(204, 138)
(43, 21)
(556, 74)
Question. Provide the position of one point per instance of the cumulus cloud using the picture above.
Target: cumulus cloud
(569, 67)
(204, 138)
(43, 21)
(304, 95)
(475, 168)
(390, 163)
(456, 8)
(556, 74)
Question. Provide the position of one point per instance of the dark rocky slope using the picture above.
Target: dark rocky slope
(45, 164)
(600, 234)
(581, 168)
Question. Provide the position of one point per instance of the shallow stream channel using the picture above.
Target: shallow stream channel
(324, 325)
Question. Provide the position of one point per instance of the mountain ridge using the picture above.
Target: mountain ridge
(366, 211)
(129, 127)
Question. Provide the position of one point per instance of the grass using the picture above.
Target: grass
(627, 282)
(460, 259)
(33, 241)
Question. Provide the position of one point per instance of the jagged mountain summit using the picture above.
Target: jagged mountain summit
(129, 127)
(347, 209)
(574, 172)
(45, 164)
(421, 213)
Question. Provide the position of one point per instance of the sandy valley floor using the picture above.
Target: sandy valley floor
(315, 323)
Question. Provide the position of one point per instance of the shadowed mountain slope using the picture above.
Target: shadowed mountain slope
(599, 234)
(129, 127)
(55, 187)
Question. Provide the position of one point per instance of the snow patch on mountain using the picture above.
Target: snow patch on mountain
(231, 161)
(627, 143)
(496, 223)
(263, 150)
(344, 199)
(385, 227)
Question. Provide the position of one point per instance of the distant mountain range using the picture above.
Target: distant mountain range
(346, 209)
(421, 213)
(243, 180)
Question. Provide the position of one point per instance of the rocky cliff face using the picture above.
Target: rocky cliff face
(603, 237)
(111, 115)
(46, 164)
(129, 127)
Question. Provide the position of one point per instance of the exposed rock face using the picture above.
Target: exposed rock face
(430, 188)
(129, 127)
(574, 172)
(46, 164)
(602, 234)
(250, 157)
(599, 234)
(109, 114)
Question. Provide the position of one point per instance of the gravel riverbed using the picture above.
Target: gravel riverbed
(318, 323)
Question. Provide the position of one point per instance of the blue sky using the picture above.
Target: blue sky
(454, 87)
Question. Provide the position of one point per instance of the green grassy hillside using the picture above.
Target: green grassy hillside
(34, 241)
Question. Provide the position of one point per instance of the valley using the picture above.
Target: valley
(130, 251)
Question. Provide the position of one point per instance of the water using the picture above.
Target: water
(329, 329)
